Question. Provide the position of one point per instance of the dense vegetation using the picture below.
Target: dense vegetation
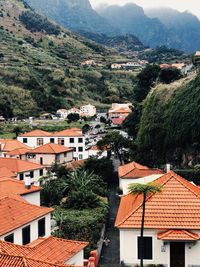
(169, 127)
(37, 23)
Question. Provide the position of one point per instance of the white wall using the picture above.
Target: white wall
(36, 177)
(32, 141)
(129, 250)
(124, 183)
(33, 198)
(76, 260)
(34, 230)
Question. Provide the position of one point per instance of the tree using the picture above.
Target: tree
(17, 130)
(144, 190)
(146, 79)
(73, 117)
(117, 143)
(86, 128)
(168, 75)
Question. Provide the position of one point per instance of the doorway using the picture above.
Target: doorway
(177, 254)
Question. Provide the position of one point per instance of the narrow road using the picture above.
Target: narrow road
(110, 254)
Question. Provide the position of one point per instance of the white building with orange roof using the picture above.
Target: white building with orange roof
(171, 225)
(30, 193)
(134, 172)
(22, 222)
(119, 110)
(71, 138)
(22, 168)
(8, 145)
(50, 154)
(88, 110)
(18, 153)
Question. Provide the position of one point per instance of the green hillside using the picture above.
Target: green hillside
(41, 68)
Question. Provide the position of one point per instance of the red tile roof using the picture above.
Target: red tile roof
(176, 207)
(50, 148)
(182, 235)
(50, 250)
(36, 133)
(18, 151)
(135, 170)
(73, 132)
(8, 145)
(120, 110)
(118, 121)
(5, 172)
(55, 250)
(9, 186)
(18, 165)
(21, 261)
(16, 212)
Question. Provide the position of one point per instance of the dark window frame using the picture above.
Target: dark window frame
(80, 139)
(21, 176)
(31, 174)
(26, 235)
(71, 140)
(41, 172)
(25, 140)
(9, 238)
(42, 227)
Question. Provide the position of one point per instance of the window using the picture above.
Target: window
(40, 141)
(41, 161)
(41, 172)
(52, 140)
(80, 149)
(9, 238)
(61, 141)
(25, 140)
(65, 154)
(31, 174)
(147, 248)
(21, 176)
(80, 140)
(80, 156)
(31, 156)
(71, 140)
(41, 227)
(26, 235)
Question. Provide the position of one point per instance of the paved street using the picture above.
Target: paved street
(110, 253)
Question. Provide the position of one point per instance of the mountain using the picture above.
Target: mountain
(41, 70)
(182, 25)
(121, 43)
(131, 18)
(156, 27)
(76, 15)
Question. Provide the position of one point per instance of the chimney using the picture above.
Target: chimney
(27, 181)
(168, 167)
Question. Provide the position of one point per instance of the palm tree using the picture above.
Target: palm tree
(145, 190)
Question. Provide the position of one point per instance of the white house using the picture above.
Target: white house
(9, 186)
(22, 168)
(62, 113)
(171, 227)
(88, 111)
(22, 222)
(136, 173)
(119, 110)
(50, 154)
(72, 138)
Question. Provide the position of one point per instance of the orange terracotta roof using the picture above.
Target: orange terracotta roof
(118, 121)
(135, 170)
(176, 207)
(182, 235)
(9, 186)
(22, 261)
(73, 132)
(8, 145)
(18, 151)
(178, 65)
(5, 172)
(55, 250)
(18, 165)
(120, 110)
(16, 212)
(75, 164)
(50, 148)
(163, 66)
(36, 133)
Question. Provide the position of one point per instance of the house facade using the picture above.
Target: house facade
(119, 110)
(50, 154)
(71, 138)
(136, 173)
(88, 111)
(171, 226)
(23, 168)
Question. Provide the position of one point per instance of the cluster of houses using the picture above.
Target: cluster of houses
(26, 226)
(118, 112)
(172, 219)
(183, 67)
(132, 65)
(84, 111)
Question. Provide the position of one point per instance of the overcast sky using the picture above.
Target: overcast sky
(182, 5)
